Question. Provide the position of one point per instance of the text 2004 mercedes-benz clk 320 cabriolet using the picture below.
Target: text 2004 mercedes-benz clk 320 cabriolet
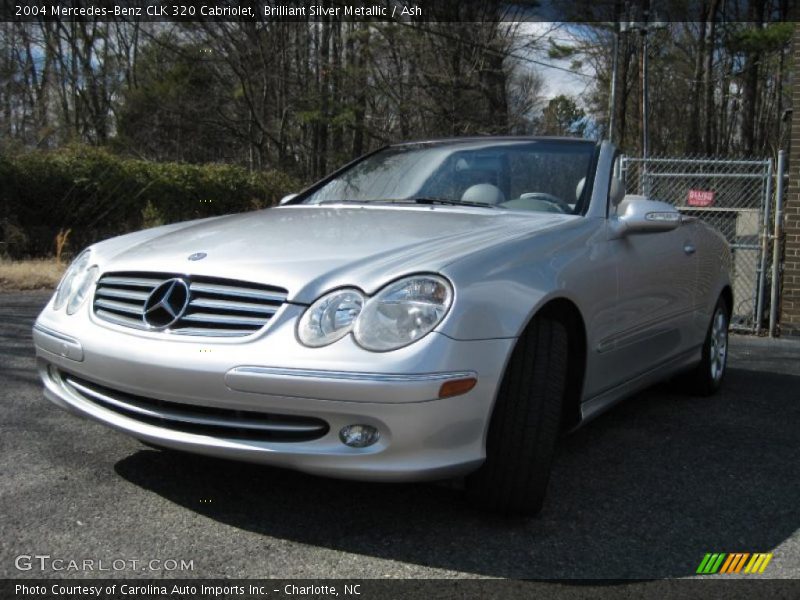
(433, 310)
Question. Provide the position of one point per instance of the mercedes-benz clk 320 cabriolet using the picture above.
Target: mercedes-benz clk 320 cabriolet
(433, 310)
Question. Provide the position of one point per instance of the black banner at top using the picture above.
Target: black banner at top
(631, 11)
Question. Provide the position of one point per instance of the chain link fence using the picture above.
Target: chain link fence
(734, 196)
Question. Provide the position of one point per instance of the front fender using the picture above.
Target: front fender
(497, 291)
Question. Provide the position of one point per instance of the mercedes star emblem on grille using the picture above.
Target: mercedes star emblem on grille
(197, 256)
(166, 303)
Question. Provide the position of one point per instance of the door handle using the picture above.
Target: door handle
(689, 248)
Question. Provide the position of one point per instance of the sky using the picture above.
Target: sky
(556, 81)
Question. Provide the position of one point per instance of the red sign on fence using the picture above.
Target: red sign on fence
(702, 198)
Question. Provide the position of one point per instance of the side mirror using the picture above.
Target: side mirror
(642, 215)
(287, 198)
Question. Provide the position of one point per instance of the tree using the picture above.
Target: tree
(173, 111)
(562, 116)
(717, 79)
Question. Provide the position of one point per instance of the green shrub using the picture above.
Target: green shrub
(97, 195)
(151, 216)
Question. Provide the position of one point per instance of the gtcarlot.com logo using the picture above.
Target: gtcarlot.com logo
(723, 563)
(45, 562)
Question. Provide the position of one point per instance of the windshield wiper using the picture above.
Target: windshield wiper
(434, 200)
(343, 202)
(412, 200)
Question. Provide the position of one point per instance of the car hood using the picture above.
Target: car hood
(310, 249)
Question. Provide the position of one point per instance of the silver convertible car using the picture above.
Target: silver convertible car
(433, 310)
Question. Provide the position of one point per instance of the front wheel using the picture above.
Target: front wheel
(524, 424)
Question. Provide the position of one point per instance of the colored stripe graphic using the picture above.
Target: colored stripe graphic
(765, 563)
(727, 564)
(711, 563)
(702, 567)
(724, 563)
(734, 563)
(741, 562)
(758, 563)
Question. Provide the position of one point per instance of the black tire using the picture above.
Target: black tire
(525, 423)
(706, 378)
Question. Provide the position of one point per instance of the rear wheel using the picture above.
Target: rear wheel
(706, 378)
(525, 423)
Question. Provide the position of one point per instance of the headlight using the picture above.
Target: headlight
(72, 279)
(81, 288)
(403, 312)
(330, 318)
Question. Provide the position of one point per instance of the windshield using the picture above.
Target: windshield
(533, 175)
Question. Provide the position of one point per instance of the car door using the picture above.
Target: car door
(654, 317)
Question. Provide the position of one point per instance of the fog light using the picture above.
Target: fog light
(359, 436)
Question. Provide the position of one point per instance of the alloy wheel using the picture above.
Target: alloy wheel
(719, 345)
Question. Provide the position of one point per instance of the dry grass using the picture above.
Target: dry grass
(36, 274)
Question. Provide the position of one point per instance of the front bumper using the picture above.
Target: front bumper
(422, 436)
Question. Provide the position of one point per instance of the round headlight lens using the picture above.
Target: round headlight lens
(403, 312)
(83, 284)
(71, 279)
(330, 318)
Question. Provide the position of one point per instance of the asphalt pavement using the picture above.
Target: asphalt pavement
(642, 492)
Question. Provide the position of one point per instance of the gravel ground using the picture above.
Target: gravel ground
(642, 492)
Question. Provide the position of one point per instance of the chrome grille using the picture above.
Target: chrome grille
(217, 307)
(205, 420)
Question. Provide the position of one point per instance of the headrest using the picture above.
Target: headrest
(483, 193)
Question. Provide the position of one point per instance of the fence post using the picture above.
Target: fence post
(623, 171)
(776, 240)
(762, 267)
